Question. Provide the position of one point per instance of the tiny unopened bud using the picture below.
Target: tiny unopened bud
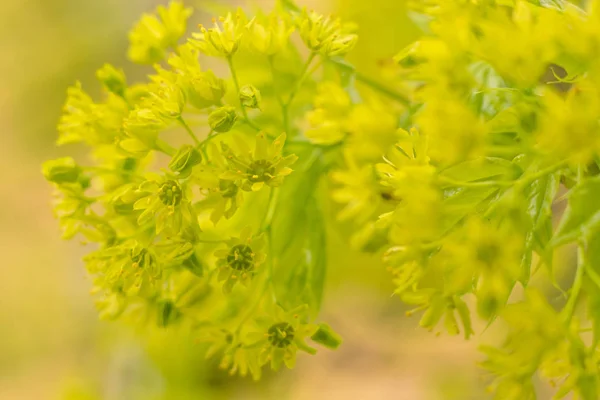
(62, 170)
(340, 45)
(112, 79)
(184, 160)
(327, 337)
(222, 119)
(250, 97)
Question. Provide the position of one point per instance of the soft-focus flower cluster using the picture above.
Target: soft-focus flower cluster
(449, 167)
(181, 191)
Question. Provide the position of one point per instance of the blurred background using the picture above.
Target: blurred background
(52, 345)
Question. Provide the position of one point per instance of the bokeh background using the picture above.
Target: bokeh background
(52, 346)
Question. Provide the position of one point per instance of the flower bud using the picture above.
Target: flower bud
(62, 170)
(143, 124)
(169, 100)
(167, 314)
(112, 79)
(269, 37)
(250, 97)
(185, 159)
(205, 89)
(327, 337)
(222, 119)
(339, 45)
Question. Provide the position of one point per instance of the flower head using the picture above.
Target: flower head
(268, 37)
(264, 166)
(125, 268)
(151, 36)
(167, 202)
(223, 196)
(239, 262)
(202, 88)
(326, 35)
(221, 40)
(93, 123)
(281, 335)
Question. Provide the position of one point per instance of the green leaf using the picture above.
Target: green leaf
(482, 168)
(540, 197)
(298, 240)
(581, 219)
(459, 203)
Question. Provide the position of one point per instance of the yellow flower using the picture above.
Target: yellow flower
(265, 166)
(281, 336)
(268, 36)
(151, 36)
(224, 40)
(326, 35)
(239, 262)
(568, 126)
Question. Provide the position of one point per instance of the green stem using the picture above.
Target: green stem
(383, 89)
(569, 309)
(104, 170)
(165, 148)
(277, 94)
(236, 83)
(305, 73)
(272, 205)
(267, 282)
(594, 277)
(452, 182)
(188, 130)
(258, 295)
(523, 181)
(540, 174)
(211, 241)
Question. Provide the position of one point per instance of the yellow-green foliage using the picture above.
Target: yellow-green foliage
(448, 166)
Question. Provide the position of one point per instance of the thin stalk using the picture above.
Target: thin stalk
(165, 148)
(383, 89)
(569, 309)
(188, 130)
(236, 83)
(305, 73)
(277, 94)
(267, 282)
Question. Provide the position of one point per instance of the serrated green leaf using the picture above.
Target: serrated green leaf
(298, 241)
(581, 219)
(540, 197)
(459, 203)
(482, 168)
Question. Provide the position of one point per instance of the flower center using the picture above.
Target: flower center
(170, 193)
(488, 253)
(281, 335)
(140, 257)
(241, 258)
(227, 188)
(260, 171)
